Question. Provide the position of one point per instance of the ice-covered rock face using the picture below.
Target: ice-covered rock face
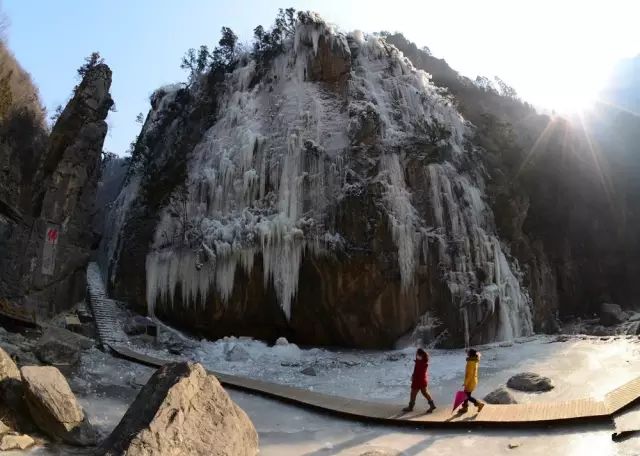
(334, 117)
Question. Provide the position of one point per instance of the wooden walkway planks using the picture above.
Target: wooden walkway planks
(112, 336)
(529, 413)
(623, 396)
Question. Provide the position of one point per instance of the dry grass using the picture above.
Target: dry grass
(17, 90)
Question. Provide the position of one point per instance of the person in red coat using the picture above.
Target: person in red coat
(419, 381)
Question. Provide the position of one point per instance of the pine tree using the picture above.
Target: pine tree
(90, 62)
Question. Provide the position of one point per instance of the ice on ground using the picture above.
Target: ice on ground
(105, 386)
(580, 366)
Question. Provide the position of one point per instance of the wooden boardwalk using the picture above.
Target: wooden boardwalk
(112, 336)
(530, 414)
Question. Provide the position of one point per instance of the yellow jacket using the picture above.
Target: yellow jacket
(471, 374)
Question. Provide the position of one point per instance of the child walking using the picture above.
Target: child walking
(419, 381)
(471, 380)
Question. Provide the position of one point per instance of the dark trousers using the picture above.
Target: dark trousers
(414, 394)
(469, 398)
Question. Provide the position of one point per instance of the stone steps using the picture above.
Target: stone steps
(105, 310)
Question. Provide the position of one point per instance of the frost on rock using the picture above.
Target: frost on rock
(118, 211)
(409, 106)
(116, 215)
(259, 182)
(263, 181)
(467, 248)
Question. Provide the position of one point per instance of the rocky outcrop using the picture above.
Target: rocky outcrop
(182, 411)
(500, 396)
(12, 407)
(340, 223)
(530, 382)
(54, 408)
(47, 231)
(612, 314)
(331, 59)
(565, 202)
(138, 325)
(15, 441)
(57, 353)
(8, 370)
(336, 196)
(236, 353)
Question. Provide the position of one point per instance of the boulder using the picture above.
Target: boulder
(530, 382)
(236, 354)
(500, 396)
(182, 411)
(138, 325)
(8, 369)
(612, 314)
(309, 371)
(12, 407)
(53, 406)
(282, 341)
(57, 353)
(15, 441)
(66, 336)
(4, 429)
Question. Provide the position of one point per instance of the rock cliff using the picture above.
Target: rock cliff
(46, 208)
(336, 198)
(351, 188)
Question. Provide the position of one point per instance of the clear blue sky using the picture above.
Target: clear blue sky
(144, 40)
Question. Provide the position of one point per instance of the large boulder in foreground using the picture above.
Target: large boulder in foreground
(15, 441)
(182, 411)
(612, 314)
(54, 408)
(12, 407)
(530, 382)
(500, 396)
(9, 373)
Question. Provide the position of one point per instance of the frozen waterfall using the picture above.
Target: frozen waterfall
(266, 173)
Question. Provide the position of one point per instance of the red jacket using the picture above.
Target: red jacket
(419, 378)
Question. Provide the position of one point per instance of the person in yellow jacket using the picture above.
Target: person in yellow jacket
(471, 380)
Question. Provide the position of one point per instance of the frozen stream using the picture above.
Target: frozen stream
(105, 387)
(580, 366)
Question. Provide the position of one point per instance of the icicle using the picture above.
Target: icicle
(267, 173)
(402, 217)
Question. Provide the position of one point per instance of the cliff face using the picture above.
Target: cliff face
(335, 198)
(338, 195)
(564, 192)
(47, 229)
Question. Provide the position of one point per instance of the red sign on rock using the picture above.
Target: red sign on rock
(49, 250)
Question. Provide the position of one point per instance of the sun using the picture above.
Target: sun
(576, 98)
(570, 89)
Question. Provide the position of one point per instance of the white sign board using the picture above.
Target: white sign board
(49, 251)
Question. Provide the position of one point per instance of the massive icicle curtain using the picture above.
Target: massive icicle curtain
(266, 172)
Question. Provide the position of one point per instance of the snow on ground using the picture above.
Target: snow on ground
(105, 387)
(580, 366)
